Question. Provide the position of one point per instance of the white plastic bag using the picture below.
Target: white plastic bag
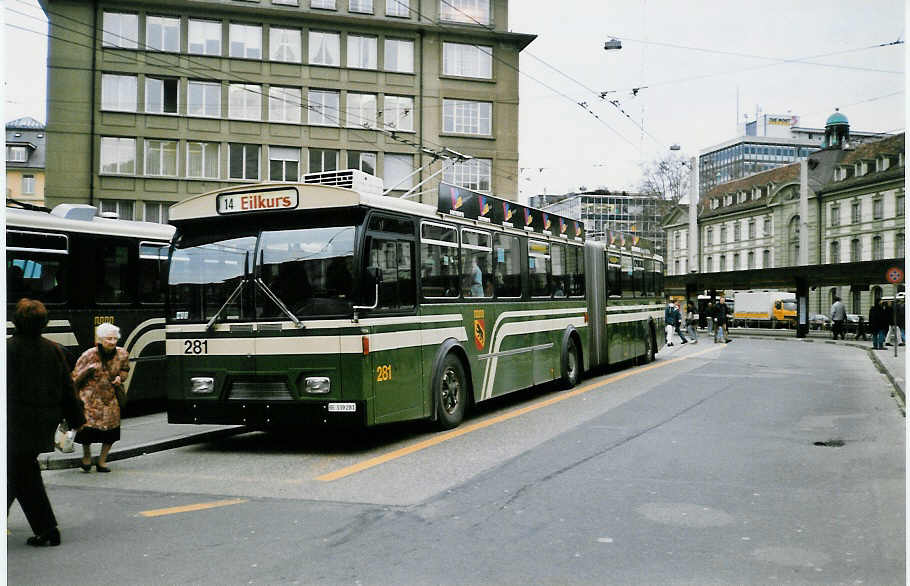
(63, 438)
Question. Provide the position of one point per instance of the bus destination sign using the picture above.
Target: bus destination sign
(472, 205)
(282, 198)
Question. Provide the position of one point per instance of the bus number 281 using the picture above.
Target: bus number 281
(195, 346)
(383, 373)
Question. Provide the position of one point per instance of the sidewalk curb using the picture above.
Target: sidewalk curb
(898, 392)
(47, 462)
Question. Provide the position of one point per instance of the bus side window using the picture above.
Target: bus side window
(36, 266)
(559, 270)
(625, 276)
(152, 271)
(507, 265)
(439, 274)
(393, 259)
(539, 268)
(475, 255)
(576, 271)
(112, 270)
(638, 276)
(614, 287)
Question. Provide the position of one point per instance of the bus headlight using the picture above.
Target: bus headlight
(202, 385)
(318, 385)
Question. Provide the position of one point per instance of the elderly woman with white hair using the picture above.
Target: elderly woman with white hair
(99, 372)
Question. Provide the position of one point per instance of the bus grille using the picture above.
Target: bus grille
(259, 391)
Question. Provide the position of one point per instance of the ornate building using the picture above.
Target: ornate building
(856, 213)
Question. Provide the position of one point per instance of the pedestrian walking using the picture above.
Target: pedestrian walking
(691, 323)
(838, 319)
(878, 322)
(680, 323)
(99, 374)
(720, 321)
(709, 309)
(39, 394)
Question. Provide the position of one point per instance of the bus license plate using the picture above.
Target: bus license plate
(342, 407)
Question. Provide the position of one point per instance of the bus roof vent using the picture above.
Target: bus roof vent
(75, 211)
(349, 178)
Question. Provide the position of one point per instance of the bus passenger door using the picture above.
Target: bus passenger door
(394, 332)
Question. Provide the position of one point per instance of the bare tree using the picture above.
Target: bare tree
(666, 177)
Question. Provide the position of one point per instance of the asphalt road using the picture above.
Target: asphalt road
(701, 468)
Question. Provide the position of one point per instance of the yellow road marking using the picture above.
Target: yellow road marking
(465, 429)
(187, 508)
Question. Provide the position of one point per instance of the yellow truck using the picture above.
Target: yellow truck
(764, 309)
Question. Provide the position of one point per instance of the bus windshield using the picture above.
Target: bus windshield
(242, 278)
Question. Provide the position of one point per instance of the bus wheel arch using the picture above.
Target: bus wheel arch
(571, 358)
(451, 374)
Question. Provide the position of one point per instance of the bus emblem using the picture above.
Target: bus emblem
(480, 334)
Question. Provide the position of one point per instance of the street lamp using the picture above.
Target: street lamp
(612, 44)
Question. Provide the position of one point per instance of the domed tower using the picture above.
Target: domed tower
(837, 130)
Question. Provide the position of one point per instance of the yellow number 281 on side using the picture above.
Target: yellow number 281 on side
(383, 373)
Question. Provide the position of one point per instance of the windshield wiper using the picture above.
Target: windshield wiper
(277, 301)
(237, 290)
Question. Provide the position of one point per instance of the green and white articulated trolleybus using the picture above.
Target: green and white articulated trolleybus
(327, 302)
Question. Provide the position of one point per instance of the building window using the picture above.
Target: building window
(284, 163)
(160, 95)
(766, 226)
(244, 101)
(245, 41)
(751, 260)
(284, 104)
(363, 6)
(709, 235)
(766, 259)
(28, 185)
(157, 211)
(899, 245)
(676, 267)
(362, 160)
(709, 264)
(856, 300)
(162, 34)
(120, 30)
(835, 215)
(16, 154)
(286, 2)
(396, 169)
(723, 262)
(398, 8)
(878, 208)
(118, 155)
(856, 250)
(243, 161)
(284, 45)
(466, 11)
(323, 160)
(361, 52)
(327, 4)
(203, 99)
(323, 107)
(474, 174)
(467, 117)
(204, 37)
(398, 56)
(398, 112)
(361, 110)
(736, 265)
(118, 92)
(878, 250)
(723, 234)
(161, 158)
(737, 231)
(793, 234)
(325, 49)
(676, 240)
(202, 160)
(467, 60)
(899, 204)
(751, 229)
(123, 208)
(834, 254)
(856, 212)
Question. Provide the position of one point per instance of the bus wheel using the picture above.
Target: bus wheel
(451, 393)
(571, 365)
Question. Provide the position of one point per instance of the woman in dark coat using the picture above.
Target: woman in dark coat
(39, 393)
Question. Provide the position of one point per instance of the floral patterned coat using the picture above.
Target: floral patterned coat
(96, 390)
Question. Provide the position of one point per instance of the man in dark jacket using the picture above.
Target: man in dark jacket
(39, 393)
(878, 323)
(720, 320)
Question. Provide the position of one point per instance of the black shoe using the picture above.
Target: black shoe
(101, 468)
(51, 538)
(86, 467)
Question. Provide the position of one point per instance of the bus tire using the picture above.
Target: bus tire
(451, 390)
(571, 363)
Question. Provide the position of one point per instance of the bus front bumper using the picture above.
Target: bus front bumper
(267, 413)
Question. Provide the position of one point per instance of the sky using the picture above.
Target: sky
(698, 64)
